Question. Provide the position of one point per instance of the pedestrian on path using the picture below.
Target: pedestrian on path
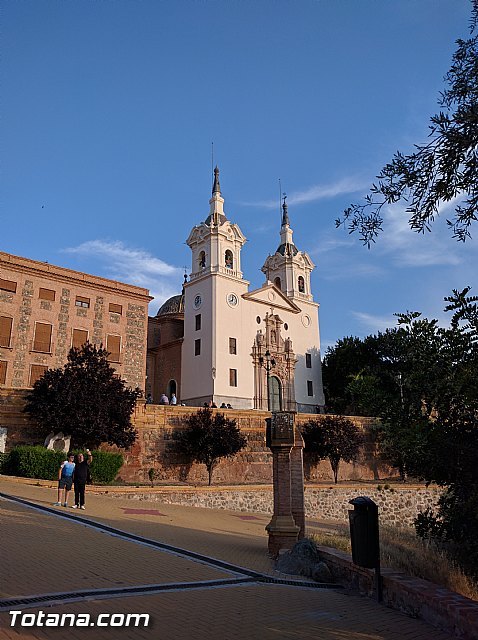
(65, 480)
(80, 478)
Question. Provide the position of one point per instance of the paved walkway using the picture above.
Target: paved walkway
(215, 589)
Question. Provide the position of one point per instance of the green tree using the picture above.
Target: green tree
(343, 364)
(86, 400)
(209, 437)
(427, 401)
(451, 438)
(333, 437)
(397, 380)
(441, 170)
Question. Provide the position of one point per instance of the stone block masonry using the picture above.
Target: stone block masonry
(154, 449)
(68, 302)
(398, 507)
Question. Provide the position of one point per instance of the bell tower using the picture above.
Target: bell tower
(212, 368)
(289, 269)
(216, 243)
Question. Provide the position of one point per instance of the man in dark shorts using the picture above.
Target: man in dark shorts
(65, 480)
(80, 478)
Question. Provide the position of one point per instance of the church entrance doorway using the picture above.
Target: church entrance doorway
(171, 388)
(275, 394)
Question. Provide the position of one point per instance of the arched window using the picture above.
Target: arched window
(171, 388)
(275, 394)
(277, 282)
(228, 260)
(301, 285)
(202, 260)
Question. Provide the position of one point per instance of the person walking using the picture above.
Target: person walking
(173, 400)
(65, 480)
(80, 478)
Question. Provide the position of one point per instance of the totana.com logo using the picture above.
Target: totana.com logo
(42, 619)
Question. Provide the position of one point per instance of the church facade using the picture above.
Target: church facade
(219, 342)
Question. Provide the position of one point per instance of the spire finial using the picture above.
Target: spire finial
(285, 215)
(185, 279)
(216, 187)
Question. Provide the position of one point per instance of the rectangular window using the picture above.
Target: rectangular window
(82, 302)
(8, 285)
(233, 377)
(115, 308)
(113, 345)
(232, 346)
(310, 388)
(36, 373)
(42, 339)
(3, 371)
(80, 336)
(197, 347)
(308, 361)
(198, 322)
(5, 331)
(46, 294)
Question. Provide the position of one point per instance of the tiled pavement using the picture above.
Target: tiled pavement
(43, 554)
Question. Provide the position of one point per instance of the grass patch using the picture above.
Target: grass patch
(402, 550)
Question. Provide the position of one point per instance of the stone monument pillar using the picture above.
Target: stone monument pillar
(297, 482)
(283, 529)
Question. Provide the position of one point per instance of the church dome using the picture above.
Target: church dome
(287, 249)
(174, 305)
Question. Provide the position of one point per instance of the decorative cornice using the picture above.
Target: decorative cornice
(53, 272)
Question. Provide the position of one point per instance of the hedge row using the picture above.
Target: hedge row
(38, 462)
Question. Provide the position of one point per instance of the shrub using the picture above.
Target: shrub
(34, 462)
(105, 466)
(4, 462)
(38, 462)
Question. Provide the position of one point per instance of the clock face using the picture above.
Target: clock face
(232, 300)
(197, 301)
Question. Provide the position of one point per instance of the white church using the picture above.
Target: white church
(219, 342)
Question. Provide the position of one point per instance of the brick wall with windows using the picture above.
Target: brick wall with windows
(46, 309)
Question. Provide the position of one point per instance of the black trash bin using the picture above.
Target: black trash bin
(364, 532)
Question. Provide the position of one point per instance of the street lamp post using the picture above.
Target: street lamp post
(268, 362)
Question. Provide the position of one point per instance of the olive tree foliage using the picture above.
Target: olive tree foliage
(208, 437)
(334, 437)
(85, 400)
(444, 169)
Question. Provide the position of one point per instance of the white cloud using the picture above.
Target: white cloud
(315, 193)
(372, 323)
(117, 261)
(411, 249)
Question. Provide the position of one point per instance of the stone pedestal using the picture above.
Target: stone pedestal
(288, 522)
(297, 482)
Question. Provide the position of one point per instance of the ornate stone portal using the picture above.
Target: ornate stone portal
(280, 373)
(288, 521)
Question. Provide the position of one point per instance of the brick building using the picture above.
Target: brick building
(45, 310)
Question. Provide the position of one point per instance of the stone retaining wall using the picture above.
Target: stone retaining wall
(154, 447)
(418, 598)
(398, 506)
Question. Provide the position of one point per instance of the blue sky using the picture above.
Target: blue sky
(109, 108)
